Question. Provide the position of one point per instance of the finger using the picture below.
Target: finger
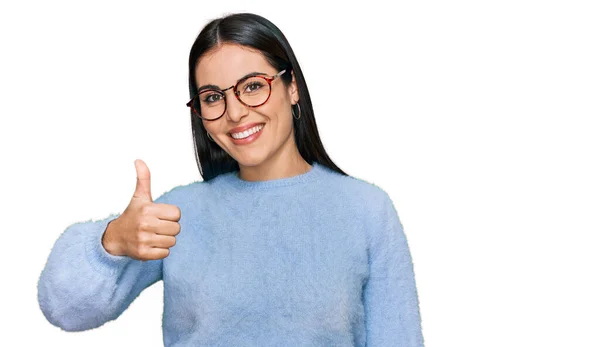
(155, 253)
(169, 228)
(166, 212)
(163, 241)
(142, 187)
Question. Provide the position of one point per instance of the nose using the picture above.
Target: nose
(235, 109)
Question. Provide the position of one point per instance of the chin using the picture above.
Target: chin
(250, 161)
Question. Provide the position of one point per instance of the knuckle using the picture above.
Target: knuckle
(145, 211)
(140, 251)
(143, 239)
(143, 224)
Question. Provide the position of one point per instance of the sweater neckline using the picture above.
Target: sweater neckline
(314, 173)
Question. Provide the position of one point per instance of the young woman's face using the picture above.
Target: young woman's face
(223, 67)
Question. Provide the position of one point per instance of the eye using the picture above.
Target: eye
(210, 98)
(253, 86)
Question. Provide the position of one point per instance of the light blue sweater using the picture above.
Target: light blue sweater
(317, 259)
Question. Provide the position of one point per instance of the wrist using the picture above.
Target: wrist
(109, 241)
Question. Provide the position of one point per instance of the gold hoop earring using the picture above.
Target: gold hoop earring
(299, 112)
(209, 137)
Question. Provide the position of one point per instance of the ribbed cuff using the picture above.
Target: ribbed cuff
(98, 257)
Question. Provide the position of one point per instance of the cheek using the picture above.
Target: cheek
(283, 107)
(211, 127)
(207, 125)
(281, 112)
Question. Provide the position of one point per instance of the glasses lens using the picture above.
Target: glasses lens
(209, 104)
(254, 91)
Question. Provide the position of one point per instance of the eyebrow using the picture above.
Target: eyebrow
(212, 86)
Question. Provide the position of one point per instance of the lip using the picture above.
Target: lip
(243, 128)
(248, 139)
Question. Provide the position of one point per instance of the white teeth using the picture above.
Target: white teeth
(247, 133)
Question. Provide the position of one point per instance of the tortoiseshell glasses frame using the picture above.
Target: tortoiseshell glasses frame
(269, 80)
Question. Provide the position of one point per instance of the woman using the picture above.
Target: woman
(275, 247)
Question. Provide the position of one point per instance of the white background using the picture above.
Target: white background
(479, 118)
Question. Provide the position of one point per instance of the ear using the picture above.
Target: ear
(293, 90)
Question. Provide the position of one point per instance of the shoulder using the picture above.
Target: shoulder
(183, 194)
(365, 203)
(354, 189)
(361, 198)
(193, 193)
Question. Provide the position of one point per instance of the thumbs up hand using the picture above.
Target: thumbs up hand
(145, 230)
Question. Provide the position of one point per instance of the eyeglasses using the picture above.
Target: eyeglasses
(252, 91)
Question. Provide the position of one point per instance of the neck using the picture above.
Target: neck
(281, 165)
(266, 172)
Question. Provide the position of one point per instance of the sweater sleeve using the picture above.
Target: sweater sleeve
(82, 286)
(390, 295)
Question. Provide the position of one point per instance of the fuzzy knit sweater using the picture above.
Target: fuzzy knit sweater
(317, 259)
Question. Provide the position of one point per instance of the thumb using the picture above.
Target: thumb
(142, 187)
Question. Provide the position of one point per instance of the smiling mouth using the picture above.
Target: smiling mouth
(247, 133)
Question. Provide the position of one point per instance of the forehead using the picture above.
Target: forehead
(224, 65)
